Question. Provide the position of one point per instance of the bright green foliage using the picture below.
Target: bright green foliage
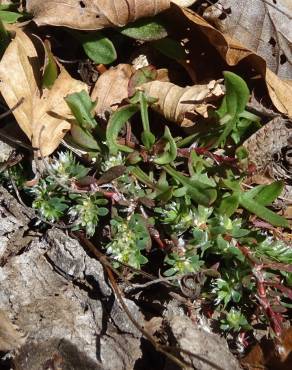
(276, 251)
(82, 107)
(170, 150)
(115, 124)
(235, 321)
(97, 47)
(87, 211)
(228, 289)
(129, 238)
(66, 167)
(185, 198)
(183, 262)
(48, 202)
(85, 131)
(232, 114)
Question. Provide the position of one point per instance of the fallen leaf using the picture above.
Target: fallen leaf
(111, 88)
(233, 52)
(44, 115)
(93, 14)
(265, 28)
(182, 105)
(10, 337)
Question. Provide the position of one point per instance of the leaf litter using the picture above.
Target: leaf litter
(177, 160)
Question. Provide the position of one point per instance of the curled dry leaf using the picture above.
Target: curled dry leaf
(10, 337)
(111, 88)
(183, 104)
(265, 28)
(93, 14)
(233, 52)
(43, 115)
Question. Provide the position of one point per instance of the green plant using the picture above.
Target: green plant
(87, 211)
(235, 321)
(171, 193)
(129, 239)
(49, 201)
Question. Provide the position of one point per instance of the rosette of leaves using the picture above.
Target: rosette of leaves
(129, 239)
(183, 261)
(235, 321)
(87, 212)
(180, 216)
(66, 167)
(49, 200)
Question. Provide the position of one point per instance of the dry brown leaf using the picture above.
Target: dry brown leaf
(111, 88)
(182, 105)
(265, 28)
(93, 14)
(10, 337)
(233, 52)
(41, 110)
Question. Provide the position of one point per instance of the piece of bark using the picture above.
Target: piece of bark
(58, 296)
(270, 150)
(210, 352)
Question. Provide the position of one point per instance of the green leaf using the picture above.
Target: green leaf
(83, 138)
(186, 141)
(147, 137)
(262, 212)
(82, 106)
(9, 17)
(199, 192)
(97, 47)
(229, 205)
(171, 48)
(115, 124)
(237, 93)
(51, 69)
(269, 193)
(234, 102)
(147, 29)
(170, 154)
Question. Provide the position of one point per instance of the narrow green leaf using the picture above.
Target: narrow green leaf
(51, 69)
(229, 205)
(234, 103)
(199, 192)
(262, 212)
(82, 106)
(169, 155)
(147, 137)
(265, 194)
(115, 124)
(83, 138)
